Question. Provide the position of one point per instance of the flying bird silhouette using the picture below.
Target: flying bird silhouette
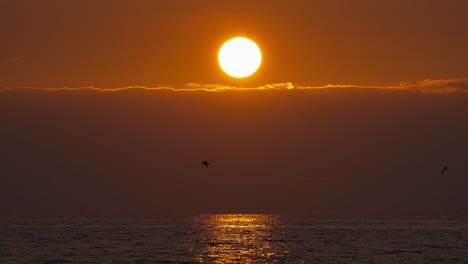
(443, 170)
(205, 163)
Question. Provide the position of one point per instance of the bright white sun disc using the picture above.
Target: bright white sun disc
(239, 57)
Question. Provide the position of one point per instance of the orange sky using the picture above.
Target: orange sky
(120, 43)
(373, 142)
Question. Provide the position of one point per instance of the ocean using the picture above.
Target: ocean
(234, 238)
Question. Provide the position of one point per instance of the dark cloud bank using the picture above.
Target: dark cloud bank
(301, 150)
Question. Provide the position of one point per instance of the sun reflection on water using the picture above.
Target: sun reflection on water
(239, 238)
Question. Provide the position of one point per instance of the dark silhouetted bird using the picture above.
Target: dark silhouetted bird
(443, 170)
(205, 163)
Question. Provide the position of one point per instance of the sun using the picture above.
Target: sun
(239, 57)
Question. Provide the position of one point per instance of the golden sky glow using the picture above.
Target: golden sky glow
(170, 43)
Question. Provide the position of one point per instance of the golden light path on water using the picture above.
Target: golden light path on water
(240, 238)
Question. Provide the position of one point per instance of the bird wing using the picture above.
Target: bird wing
(443, 171)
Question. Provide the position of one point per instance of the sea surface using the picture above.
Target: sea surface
(234, 238)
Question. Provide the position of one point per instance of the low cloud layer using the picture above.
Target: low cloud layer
(338, 150)
(423, 86)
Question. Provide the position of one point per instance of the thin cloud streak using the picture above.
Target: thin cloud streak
(423, 86)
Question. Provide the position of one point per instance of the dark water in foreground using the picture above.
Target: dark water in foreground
(234, 239)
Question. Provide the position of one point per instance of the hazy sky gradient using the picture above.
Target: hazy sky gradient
(361, 104)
